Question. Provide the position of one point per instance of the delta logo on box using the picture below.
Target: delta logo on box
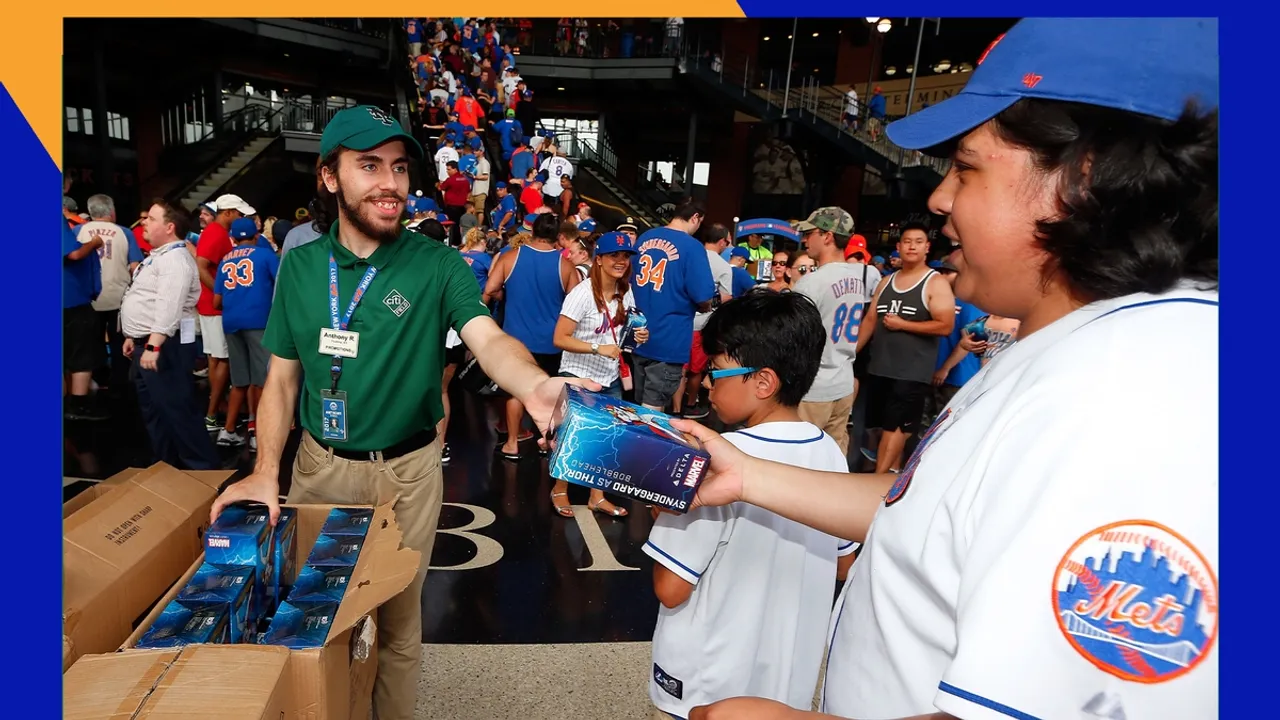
(626, 449)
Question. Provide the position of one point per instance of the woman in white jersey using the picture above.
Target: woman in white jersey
(1010, 573)
(591, 321)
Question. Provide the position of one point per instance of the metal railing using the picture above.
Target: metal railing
(806, 100)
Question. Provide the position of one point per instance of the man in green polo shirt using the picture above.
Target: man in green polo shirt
(359, 323)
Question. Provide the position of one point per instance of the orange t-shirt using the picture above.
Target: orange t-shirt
(468, 111)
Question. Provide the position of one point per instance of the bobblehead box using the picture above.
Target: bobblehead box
(334, 680)
(625, 449)
(125, 541)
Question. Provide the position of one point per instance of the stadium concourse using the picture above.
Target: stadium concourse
(470, 278)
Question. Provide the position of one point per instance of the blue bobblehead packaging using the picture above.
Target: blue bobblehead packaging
(326, 584)
(300, 624)
(230, 586)
(188, 623)
(284, 551)
(347, 521)
(336, 551)
(241, 535)
(625, 449)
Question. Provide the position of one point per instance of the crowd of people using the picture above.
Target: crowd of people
(1032, 297)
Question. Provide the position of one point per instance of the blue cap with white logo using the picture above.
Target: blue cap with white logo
(587, 225)
(243, 229)
(501, 185)
(1149, 66)
(614, 242)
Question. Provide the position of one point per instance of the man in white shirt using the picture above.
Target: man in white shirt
(510, 81)
(715, 241)
(841, 292)
(445, 155)
(555, 167)
(1007, 573)
(851, 109)
(117, 258)
(480, 180)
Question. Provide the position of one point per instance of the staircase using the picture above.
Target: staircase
(211, 183)
(596, 159)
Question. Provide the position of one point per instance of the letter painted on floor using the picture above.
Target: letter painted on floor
(488, 550)
(602, 557)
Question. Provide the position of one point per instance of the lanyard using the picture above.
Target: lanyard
(334, 322)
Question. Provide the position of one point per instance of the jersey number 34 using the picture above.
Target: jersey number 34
(651, 272)
(847, 321)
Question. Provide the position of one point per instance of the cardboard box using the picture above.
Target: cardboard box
(68, 653)
(623, 448)
(335, 681)
(123, 547)
(218, 682)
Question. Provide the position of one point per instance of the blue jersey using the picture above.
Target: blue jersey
(480, 263)
(81, 279)
(971, 364)
(505, 205)
(672, 277)
(414, 30)
(246, 281)
(742, 281)
(534, 293)
(508, 129)
(521, 164)
(264, 243)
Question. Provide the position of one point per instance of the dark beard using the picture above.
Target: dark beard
(351, 214)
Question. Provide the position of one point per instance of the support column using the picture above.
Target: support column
(106, 163)
(689, 152)
(215, 99)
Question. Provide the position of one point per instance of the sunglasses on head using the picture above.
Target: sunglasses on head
(730, 372)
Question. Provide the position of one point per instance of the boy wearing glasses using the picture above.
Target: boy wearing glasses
(746, 594)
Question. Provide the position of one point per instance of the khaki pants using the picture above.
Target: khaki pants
(416, 480)
(478, 200)
(833, 417)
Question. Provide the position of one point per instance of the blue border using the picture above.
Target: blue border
(989, 704)
(744, 433)
(665, 554)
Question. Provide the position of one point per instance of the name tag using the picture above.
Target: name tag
(343, 343)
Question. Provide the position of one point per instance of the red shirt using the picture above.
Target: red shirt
(531, 198)
(213, 245)
(468, 111)
(456, 189)
(140, 234)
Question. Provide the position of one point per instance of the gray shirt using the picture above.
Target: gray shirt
(164, 291)
(722, 273)
(842, 295)
(300, 235)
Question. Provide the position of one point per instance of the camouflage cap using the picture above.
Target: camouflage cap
(828, 219)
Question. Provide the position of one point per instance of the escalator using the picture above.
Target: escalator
(596, 181)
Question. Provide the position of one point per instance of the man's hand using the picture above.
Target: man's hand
(128, 347)
(893, 322)
(149, 360)
(969, 344)
(257, 488)
(726, 477)
(642, 336)
(546, 395)
(744, 708)
(940, 376)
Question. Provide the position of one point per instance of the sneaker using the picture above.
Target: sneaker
(227, 439)
(445, 455)
(696, 412)
(253, 443)
(211, 423)
(869, 454)
(201, 373)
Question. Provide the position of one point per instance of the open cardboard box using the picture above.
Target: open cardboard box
(218, 682)
(123, 546)
(333, 682)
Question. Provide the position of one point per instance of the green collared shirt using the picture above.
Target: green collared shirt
(422, 288)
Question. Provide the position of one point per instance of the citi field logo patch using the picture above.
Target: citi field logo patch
(397, 302)
(900, 485)
(1138, 601)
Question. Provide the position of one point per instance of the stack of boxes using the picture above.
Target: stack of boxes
(303, 619)
(248, 567)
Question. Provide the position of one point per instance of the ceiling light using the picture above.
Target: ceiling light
(966, 67)
(560, 89)
(286, 54)
(873, 21)
(885, 25)
(788, 37)
(955, 70)
(911, 69)
(891, 70)
(766, 38)
(944, 65)
(815, 34)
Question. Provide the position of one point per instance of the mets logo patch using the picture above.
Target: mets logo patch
(1138, 601)
(900, 485)
(398, 304)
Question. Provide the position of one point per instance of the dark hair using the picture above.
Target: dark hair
(715, 234)
(546, 226)
(452, 164)
(767, 329)
(1138, 195)
(569, 230)
(325, 207)
(688, 208)
(172, 214)
(915, 226)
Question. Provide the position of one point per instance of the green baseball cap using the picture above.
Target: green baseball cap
(828, 219)
(364, 127)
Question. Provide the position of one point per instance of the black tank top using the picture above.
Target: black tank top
(903, 355)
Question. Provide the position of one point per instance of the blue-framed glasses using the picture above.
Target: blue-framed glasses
(730, 372)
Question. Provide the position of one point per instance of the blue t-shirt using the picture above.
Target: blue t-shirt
(467, 166)
(971, 364)
(505, 205)
(508, 130)
(246, 281)
(480, 263)
(81, 279)
(521, 164)
(876, 107)
(414, 31)
(671, 278)
(742, 281)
